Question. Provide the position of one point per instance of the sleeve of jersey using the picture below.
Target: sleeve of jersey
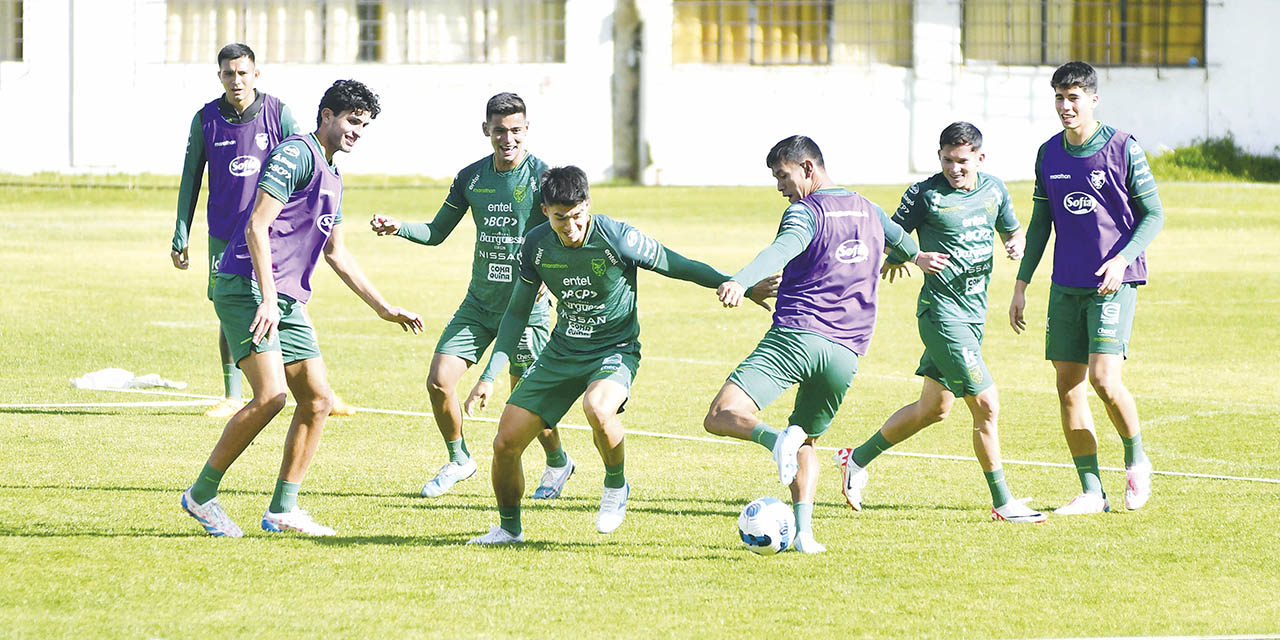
(1037, 239)
(189, 189)
(1146, 203)
(910, 211)
(434, 232)
(511, 328)
(286, 172)
(900, 244)
(794, 234)
(1006, 219)
(288, 124)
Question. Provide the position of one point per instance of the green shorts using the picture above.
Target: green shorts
(472, 329)
(953, 355)
(236, 299)
(785, 357)
(1082, 322)
(216, 247)
(557, 378)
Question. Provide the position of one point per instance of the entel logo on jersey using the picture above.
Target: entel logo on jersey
(244, 166)
(1078, 204)
(851, 251)
(325, 223)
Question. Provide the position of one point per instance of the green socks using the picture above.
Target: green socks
(804, 516)
(230, 381)
(1133, 453)
(285, 497)
(765, 435)
(614, 476)
(509, 520)
(557, 458)
(457, 450)
(874, 446)
(206, 486)
(1087, 469)
(1000, 495)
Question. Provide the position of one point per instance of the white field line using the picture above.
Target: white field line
(207, 400)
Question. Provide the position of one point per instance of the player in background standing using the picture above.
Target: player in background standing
(260, 294)
(233, 134)
(1095, 192)
(589, 263)
(502, 191)
(956, 214)
(828, 247)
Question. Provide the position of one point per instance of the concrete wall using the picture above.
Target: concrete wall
(94, 95)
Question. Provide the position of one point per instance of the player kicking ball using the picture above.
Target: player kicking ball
(260, 294)
(589, 263)
(828, 248)
(956, 213)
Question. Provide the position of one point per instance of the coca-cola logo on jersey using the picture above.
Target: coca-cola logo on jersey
(1078, 203)
(242, 166)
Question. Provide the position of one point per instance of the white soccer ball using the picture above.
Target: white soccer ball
(767, 526)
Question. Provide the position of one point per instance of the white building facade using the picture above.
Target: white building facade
(663, 91)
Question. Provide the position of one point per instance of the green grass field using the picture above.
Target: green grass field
(94, 544)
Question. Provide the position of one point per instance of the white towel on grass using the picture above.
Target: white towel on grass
(120, 379)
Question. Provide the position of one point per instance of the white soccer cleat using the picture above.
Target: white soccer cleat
(210, 516)
(853, 479)
(1084, 503)
(498, 535)
(295, 520)
(450, 474)
(1138, 485)
(613, 508)
(1016, 511)
(553, 479)
(805, 543)
(784, 453)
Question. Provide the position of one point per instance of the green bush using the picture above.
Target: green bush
(1215, 159)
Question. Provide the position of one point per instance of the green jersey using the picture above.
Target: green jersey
(505, 205)
(961, 224)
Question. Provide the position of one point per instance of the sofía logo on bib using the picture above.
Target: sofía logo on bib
(851, 251)
(325, 223)
(241, 166)
(1077, 203)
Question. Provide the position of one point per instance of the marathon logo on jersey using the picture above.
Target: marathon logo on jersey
(1110, 313)
(1060, 176)
(224, 143)
(261, 140)
(500, 272)
(1077, 203)
(325, 223)
(519, 192)
(242, 166)
(1098, 178)
(597, 266)
(852, 251)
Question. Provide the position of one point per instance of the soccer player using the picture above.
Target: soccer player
(501, 190)
(828, 247)
(1095, 191)
(956, 213)
(260, 294)
(588, 262)
(233, 134)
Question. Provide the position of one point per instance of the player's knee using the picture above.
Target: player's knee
(272, 402)
(1109, 388)
(986, 409)
(931, 412)
(716, 419)
(437, 387)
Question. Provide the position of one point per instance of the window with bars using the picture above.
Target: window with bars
(387, 31)
(10, 30)
(1105, 33)
(775, 32)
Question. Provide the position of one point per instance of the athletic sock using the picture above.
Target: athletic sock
(509, 519)
(1087, 469)
(285, 497)
(874, 446)
(231, 381)
(1000, 495)
(765, 435)
(804, 516)
(206, 486)
(614, 476)
(557, 458)
(457, 450)
(1133, 453)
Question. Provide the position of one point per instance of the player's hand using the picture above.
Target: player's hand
(266, 321)
(179, 258)
(1016, 307)
(932, 261)
(1112, 272)
(892, 271)
(408, 320)
(1015, 246)
(761, 291)
(730, 293)
(384, 225)
(478, 397)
